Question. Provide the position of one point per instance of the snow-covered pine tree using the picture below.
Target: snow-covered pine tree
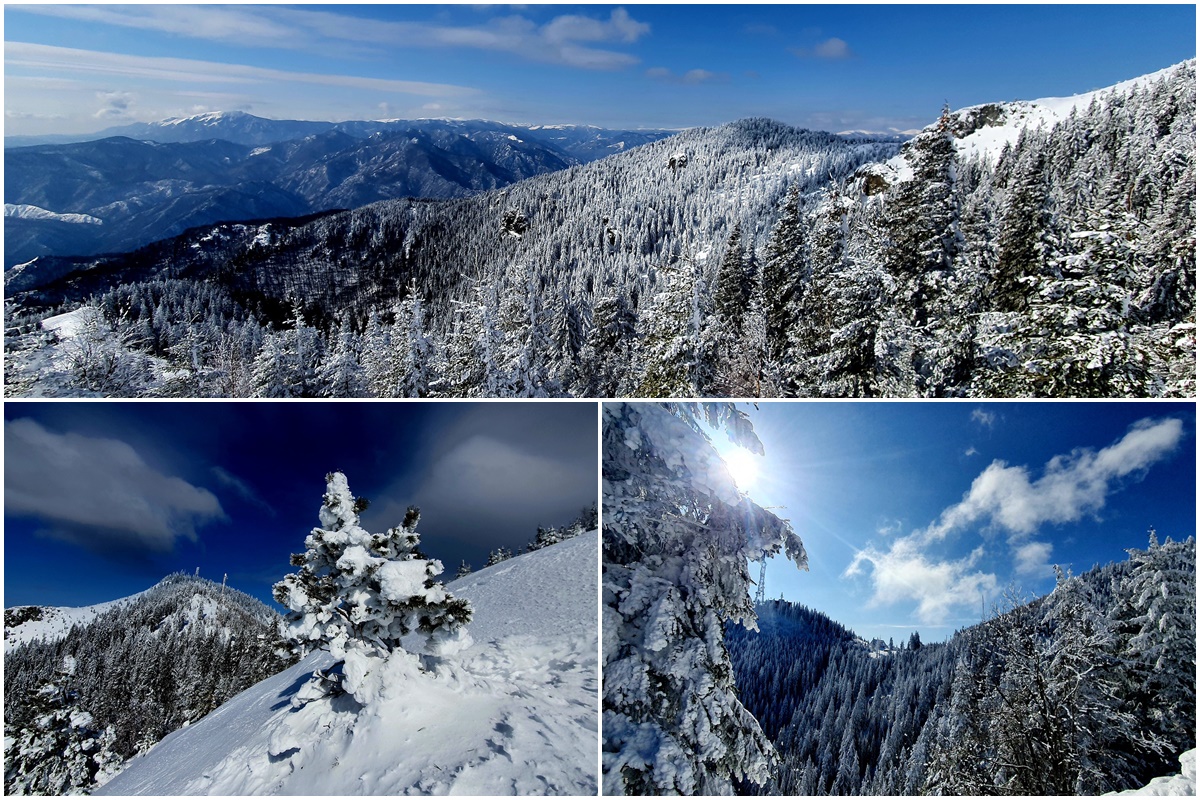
(785, 270)
(670, 330)
(498, 555)
(60, 751)
(362, 592)
(678, 536)
(340, 373)
(412, 358)
(1162, 592)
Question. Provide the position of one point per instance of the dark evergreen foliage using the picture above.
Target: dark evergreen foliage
(1087, 690)
(167, 657)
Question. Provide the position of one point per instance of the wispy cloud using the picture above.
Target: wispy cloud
(691, 77)
(1032, 558)
(182, 70)
(985, 418)
(905, 573)
(99, 493)
(1070, 487)
(831, 49)
(243, 489)
(569, 39)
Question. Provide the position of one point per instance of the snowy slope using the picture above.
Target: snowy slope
(54, 622)
(984, 130)
(516, 713)
(26, 211)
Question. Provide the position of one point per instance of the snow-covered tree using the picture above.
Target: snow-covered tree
(363, 592)
(61, 751)
(1162, 592)
(498, 555)
(678, 536)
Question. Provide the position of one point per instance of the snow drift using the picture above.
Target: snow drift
(516, 713)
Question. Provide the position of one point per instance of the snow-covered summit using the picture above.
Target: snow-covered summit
(514, 714)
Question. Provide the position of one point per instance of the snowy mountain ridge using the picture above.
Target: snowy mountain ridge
(50, 623)
(514, 714)
(984, 130)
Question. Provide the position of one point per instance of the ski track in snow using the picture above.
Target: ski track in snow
(516, 713)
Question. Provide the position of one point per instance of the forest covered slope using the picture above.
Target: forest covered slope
(1087, 690)
(1040, 248)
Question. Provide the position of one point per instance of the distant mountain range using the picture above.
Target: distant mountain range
(140, 183)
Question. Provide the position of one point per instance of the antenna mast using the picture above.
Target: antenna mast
(760, 594)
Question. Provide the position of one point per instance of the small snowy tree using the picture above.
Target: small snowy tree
(363, 592)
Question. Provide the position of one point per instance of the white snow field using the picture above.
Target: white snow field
(516, 713)
(1181, 785)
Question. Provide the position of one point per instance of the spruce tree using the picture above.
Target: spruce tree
(677, 539)
(364, 592)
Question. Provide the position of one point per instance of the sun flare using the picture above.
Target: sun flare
(743, 466)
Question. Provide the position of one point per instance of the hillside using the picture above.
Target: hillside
(1099, 674)
(514, 714)
(50, 623)
(86, 688)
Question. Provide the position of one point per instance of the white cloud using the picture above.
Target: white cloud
(691, 77)
(985, 418)
(1008, 498)
(98, 493)
(832, 49)
(557, 41)
(971, 451)
(1070, 487)
(905, 573)
(92, 62)
(1032, 558)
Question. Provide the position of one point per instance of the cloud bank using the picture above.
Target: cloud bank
(99, 493)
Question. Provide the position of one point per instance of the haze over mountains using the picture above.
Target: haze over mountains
(136, 184)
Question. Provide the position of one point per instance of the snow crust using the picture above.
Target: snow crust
(516, 713)
(1183, 784)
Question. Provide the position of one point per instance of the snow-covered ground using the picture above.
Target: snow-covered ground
(1183, 784)
(56, 622)
(516, 713)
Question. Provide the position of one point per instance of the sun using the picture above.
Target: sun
(743, 466)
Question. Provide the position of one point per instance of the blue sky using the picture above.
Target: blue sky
(912, 513)
(76, 69)
(102, 500)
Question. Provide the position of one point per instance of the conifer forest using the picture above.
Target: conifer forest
(793, 400)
